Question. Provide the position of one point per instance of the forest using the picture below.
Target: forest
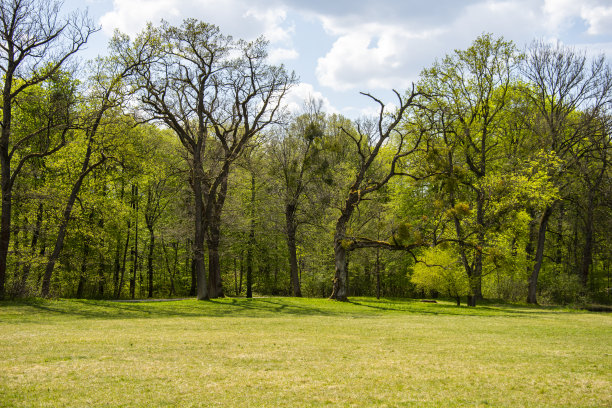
(171, 167)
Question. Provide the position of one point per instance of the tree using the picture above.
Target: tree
(216, 94)
(107, 92)
(300, 165)
(471, 92)
(561, 82)
(34, 45)
(371, 173)
(441, 271)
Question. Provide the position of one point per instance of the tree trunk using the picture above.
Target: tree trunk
(539, 256)
(82, 277)
(21, 288)
(198, 242)
(241, 272)
(150, 259)
(59, 242)
(377, 273)
(235, 278)
(587, 252)
(292, 248)
(251, 245)
(5, 170)
(215, 284)
(134, 251)
(122, 272)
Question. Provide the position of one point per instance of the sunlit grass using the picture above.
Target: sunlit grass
(301, 352)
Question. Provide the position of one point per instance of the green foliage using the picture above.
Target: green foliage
(439, 270)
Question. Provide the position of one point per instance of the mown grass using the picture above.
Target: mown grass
(301, 352)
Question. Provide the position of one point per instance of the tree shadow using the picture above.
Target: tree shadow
(42, 309)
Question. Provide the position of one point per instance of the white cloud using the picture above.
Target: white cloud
(301, 93)
(279, 55)
(238, 18)
(599, 19)
(377, 55)
(564, 14)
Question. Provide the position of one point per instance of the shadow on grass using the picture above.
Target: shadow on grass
(41, 309)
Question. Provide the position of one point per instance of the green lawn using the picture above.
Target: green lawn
(301, 352)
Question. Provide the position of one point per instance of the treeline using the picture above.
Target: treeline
(171, 168)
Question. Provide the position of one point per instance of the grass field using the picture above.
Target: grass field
(301, 352)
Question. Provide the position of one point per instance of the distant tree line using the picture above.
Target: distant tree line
(171, 167)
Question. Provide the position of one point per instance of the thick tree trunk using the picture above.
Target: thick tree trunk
(292, 248)
(340, 286)
(5, 217)
(215, 284)
(198, 242)
(539, 256)
(5, 169)
(340, 282)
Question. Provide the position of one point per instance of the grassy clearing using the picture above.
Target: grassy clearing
(301, 352)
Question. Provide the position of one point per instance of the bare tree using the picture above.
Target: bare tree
(388, 131)
(216, 94)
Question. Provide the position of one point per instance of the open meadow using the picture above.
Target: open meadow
(301, 352)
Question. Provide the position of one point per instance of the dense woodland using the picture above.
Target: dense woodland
(170, 168)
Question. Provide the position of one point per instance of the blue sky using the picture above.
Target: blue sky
(341, 47)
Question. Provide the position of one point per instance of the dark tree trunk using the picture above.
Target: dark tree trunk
(5, 169)
(292, 248)
(213, 218)
(198, 242)
(340, 282)
(215, 284)
(539, 256)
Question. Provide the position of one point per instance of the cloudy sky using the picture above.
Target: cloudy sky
(341, 47)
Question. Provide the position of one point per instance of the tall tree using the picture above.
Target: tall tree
(389, 131)
(216, 94)
(561, 81)
(300, 166)
(34, 44)
(107, 94)
(471, 92)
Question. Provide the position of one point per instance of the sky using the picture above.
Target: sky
(340, 48)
